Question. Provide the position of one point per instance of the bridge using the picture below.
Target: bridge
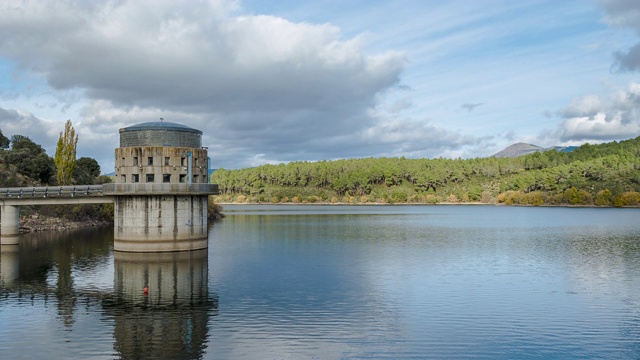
(12, 198)
(84, 194)
(42, 195)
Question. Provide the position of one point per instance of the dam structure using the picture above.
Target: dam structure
(160, 193)
(161, 190)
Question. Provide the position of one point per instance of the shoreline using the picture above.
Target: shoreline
(319, 203)
(38, 223)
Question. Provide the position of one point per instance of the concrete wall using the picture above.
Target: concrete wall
(133, 164)
(158, 223)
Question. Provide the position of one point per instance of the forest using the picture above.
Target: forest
(602, 175)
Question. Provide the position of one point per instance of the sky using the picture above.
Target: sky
(274, 82)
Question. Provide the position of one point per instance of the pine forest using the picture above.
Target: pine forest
(602, 175)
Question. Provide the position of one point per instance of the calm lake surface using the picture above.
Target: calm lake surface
(333, 282)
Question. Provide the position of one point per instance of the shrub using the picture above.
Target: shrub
(475, 193)
(535, 198)
(629, 198)
(214, 210)
(556, 199)
(603, 198)
(509, 197)
(431, 199)
(574, 196)
(486, 197)
(399, 196)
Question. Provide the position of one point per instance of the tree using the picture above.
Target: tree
(90, 165)
(65, 157)
(29, 159)
(551, 177)
(21, 142)
(4, 141)
(102, 179)
(86, 171)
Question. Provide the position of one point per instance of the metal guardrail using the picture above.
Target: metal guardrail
(107, 190)
(164, 188)
(51, 191)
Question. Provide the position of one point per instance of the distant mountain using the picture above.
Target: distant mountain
(520, 149)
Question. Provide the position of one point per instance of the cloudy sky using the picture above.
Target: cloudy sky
(271, 82)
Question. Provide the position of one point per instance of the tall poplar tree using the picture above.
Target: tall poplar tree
(65, 157)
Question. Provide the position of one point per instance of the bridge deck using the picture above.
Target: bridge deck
(43, 195)
(85, 194)
(51, 191)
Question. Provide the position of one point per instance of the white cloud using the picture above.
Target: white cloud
(275, 86)
(592, 118)
(405, 137)
(588, 105)
(625, 14)
(598, 127)
(192, 56)
(309, 81)
(18, 122)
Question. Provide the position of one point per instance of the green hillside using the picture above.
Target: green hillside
(604, 175)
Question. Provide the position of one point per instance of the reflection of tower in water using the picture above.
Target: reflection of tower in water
(9, 265)
(170, 321)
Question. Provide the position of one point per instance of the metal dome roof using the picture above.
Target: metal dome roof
(160, 125)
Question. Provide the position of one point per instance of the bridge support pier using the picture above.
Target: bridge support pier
(9, 224)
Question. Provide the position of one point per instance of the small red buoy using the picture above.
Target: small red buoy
(146, 290)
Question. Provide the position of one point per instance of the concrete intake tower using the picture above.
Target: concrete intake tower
(161, 189)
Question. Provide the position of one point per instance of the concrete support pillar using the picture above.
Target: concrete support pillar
(9, 224)
(159, 223)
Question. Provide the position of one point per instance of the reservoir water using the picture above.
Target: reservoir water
(336, 282)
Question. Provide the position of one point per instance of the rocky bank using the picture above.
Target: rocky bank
(37, 222)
